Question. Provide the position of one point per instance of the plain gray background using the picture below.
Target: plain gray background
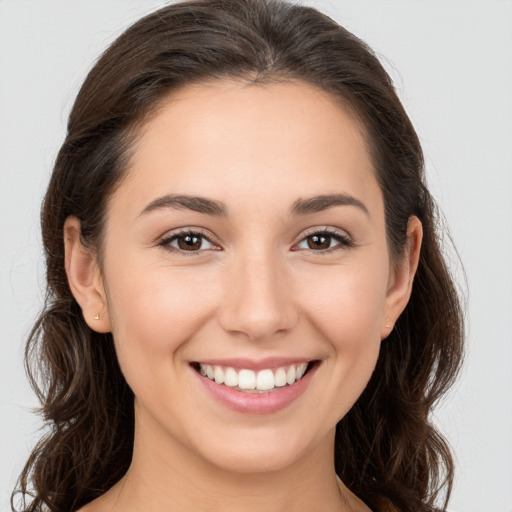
(452, 64)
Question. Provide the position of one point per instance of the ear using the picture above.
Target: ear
(84, 278)
(402, 277)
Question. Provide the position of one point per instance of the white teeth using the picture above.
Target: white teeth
(218, 374)
(230, 377)
(290, 375)
(264, 380)
(246, 379)
(301, 370)
(280, 378)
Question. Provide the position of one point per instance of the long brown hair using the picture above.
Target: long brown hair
(386, 450)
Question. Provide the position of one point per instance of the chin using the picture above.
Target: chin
(263, 451)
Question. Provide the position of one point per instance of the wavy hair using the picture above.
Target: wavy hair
(387, 451)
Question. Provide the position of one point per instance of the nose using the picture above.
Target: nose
(258, 301)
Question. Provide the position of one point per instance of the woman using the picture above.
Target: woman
(247, 305)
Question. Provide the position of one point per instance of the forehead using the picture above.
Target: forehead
(243, 142)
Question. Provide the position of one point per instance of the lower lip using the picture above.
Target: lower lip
(257, 403)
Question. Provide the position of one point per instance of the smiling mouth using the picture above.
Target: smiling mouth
(250, 381)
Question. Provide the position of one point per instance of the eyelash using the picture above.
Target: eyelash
(165, 243)
(345, 242)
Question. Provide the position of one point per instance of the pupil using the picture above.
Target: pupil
(189, 242)
(319, 242)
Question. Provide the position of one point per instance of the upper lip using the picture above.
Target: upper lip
(255, 364)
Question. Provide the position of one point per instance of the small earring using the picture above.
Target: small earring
(97, 317)
(387, 323)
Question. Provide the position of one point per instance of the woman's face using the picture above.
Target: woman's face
(247, 241)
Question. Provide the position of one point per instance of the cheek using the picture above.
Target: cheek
(347, 305)
(343, 310)
(155, 310)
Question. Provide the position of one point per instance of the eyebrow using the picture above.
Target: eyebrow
(219, 209)
(323, 202)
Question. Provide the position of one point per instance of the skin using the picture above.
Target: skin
(257, 290)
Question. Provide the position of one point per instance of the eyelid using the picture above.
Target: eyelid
(166, 239)
(326, 229)
(345, 239)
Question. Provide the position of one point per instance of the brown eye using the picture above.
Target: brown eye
(325, 241)
(188, 241)
(319, 241)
